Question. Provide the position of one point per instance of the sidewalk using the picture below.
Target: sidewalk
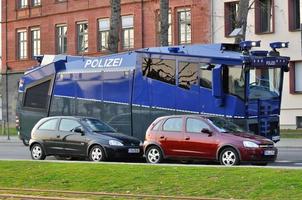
(13, 139)
(289, 143)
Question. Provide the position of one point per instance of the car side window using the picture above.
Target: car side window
(69, 125)
(49, 125)
(196, 125)
(157, 125)
(173, 124)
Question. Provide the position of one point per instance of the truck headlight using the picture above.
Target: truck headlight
(115, 143)
(250, 144)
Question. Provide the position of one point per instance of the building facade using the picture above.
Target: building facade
(268, 21)
(81, 27)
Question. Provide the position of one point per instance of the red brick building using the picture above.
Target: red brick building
(32, 26)
(80, 27)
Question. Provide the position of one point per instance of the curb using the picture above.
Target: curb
(105, 194)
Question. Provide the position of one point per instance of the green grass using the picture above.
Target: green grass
(288, 133)
(12, 131)
(238, 183)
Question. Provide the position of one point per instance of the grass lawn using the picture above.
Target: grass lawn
(234, 182)
(285, 133)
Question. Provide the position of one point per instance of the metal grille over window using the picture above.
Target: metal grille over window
(187, 74)
(104, 27)
(37, 96)
(184, 26)
(61, 38)
(127, 32)
(36, 43)
(158, 69)
(22, 44)
(82, 37)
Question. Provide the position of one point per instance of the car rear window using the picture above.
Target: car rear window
(173, 124)
(49, 125)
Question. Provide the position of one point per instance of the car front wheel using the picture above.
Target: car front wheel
(37, 152)
(97, 154)
(229, 157)
(154, 155)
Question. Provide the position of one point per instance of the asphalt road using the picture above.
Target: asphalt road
(290, 155)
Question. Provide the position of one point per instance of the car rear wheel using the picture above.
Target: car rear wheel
(229, 157)
(37, 152)
(154, 155)
(97, 154)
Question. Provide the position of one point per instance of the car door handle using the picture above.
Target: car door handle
(162, 137)
(187, 138)
(58, 136)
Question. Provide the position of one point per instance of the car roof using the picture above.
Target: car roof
(204, 116)
(69, 117)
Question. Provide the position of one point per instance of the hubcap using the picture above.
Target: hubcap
(37, 152)
(96, 154)
(154, 156)
(228, 158)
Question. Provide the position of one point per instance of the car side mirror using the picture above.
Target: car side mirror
(207, 131)
(79, 130)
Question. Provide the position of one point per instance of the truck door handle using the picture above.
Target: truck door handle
(187, 138)
(58, 136)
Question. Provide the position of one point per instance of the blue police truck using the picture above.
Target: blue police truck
(129, 90)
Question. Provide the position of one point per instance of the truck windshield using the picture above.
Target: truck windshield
(264, 83)
(97, 126)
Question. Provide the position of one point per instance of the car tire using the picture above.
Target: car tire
(229, 157)
(25, 142)
(97, 154)
(154, 155)
(37, 152)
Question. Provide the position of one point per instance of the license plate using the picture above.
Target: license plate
(269, 152)
(133, 150)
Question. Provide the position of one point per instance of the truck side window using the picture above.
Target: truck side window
(159, 69)
(37, 96)
(187, 74)
(205, 76)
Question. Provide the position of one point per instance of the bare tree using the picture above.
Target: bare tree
(164, 22)
(241, 19)
(115, 21)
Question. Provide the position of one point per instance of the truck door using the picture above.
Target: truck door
(34, 106)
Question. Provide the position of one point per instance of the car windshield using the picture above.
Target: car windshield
(97, 126)
(224, 126)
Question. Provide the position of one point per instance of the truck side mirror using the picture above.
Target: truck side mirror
(217, 81)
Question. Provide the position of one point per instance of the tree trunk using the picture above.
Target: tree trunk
(164, 22)
(241, 19)
(115, 21)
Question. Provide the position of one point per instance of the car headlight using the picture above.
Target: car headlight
(115, 143)
(250, 144)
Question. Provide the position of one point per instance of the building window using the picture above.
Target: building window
(61, 39)
(22, 44)
(22, 4)
(264, 13)
(35, 42)
(294, 14)
(169, 29)
(104, 27)
(82, 37)
(299, 121)
(295, 74)
(127, 32)
(230, 13)
(36, 2)
(184, 26)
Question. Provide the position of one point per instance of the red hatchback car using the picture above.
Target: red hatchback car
(198, 137)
